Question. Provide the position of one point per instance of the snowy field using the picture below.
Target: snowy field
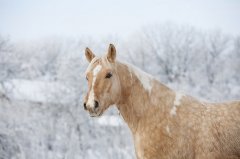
(42, 84)
(30, 130)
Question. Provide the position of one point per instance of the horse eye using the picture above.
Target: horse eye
(86, 78)
(109, 75)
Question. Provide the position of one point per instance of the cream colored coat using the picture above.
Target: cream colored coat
(166, 124)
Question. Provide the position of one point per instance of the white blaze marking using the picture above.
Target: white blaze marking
(90, 65)
(176, 103)
(90, 101)
(96, 70)
(144, 78)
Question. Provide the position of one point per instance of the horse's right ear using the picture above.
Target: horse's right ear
(89, 54)
(111, 55)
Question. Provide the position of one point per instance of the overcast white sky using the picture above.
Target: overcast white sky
(28, 19)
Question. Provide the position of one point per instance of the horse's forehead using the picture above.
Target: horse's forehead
(96, 62)
(92, 65)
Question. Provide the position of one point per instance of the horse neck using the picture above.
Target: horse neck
(138, 95)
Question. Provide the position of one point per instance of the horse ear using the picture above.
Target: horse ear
(111, 55)
(89, 54)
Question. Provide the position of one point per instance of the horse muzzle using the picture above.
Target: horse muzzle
(93, 108)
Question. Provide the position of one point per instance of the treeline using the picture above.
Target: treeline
(202, 63)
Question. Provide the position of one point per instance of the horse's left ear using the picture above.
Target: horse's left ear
(111, 55)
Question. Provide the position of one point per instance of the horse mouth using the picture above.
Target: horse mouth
(97, 114)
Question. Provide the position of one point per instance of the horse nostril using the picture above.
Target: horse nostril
(85, 106)
(96, 105)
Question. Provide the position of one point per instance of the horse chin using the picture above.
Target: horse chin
(97, 114)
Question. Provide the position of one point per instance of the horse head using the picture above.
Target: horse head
(103, 82)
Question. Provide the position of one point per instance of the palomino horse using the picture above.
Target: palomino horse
(164, 123)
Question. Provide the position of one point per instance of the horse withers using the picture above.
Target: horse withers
(165, 124)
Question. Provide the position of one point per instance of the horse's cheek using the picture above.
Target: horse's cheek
(108, 87)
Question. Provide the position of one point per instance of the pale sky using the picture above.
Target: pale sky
(30, 19)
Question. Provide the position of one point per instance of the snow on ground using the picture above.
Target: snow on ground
(53, 131)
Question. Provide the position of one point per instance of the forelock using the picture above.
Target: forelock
(91, 64)
(103, 61)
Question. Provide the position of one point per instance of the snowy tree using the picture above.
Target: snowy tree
(6, 58)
